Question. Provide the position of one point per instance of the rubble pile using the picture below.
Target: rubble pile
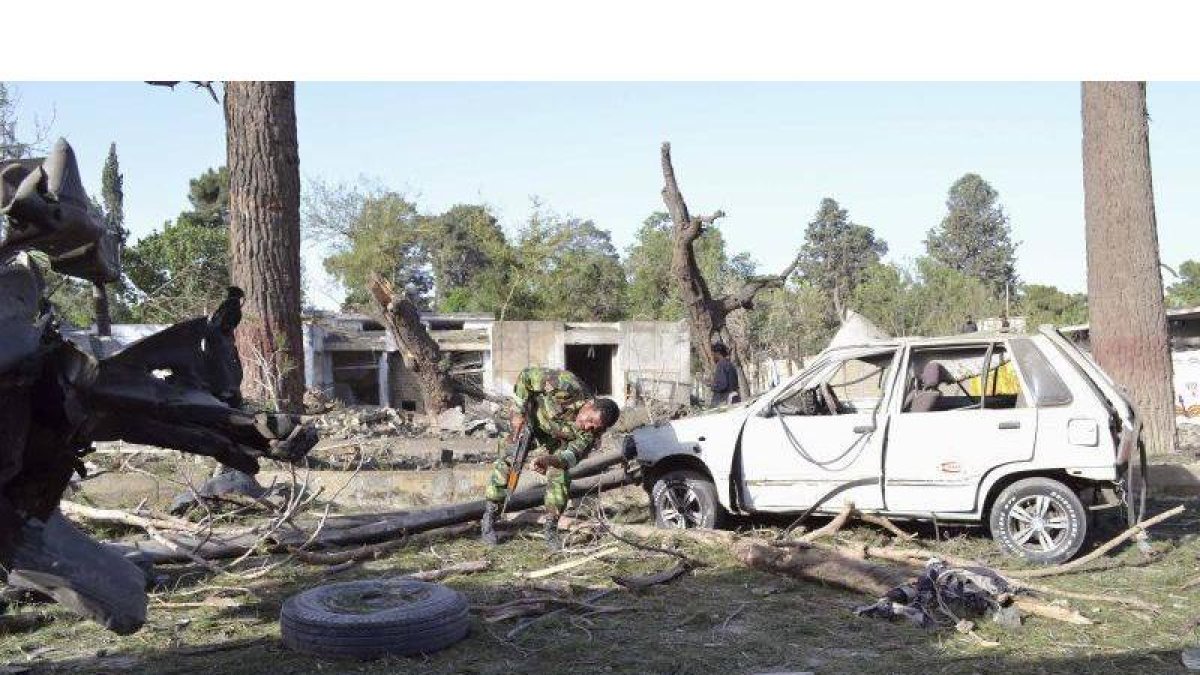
(362, 422)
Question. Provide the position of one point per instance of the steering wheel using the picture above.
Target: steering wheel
(832, 405)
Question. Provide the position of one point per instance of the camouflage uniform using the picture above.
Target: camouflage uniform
(557, 397)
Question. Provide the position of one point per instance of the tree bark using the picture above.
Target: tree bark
(100, 309)
(1125, 294)
(707, 314)
(264, 233)
(401, 317)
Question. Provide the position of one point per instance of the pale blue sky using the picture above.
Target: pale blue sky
(766, 153)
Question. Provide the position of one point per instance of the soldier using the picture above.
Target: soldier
(567, 423)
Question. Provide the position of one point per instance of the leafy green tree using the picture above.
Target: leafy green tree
(182, 271)
(1186, 291)
(386, 236)
(651, 293)
(569, 270)
(837, 253)
(1046, 304)
(471, 259)
(975, 238)
(931, 299)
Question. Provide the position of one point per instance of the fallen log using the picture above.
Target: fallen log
(834, 568)
(184, 549)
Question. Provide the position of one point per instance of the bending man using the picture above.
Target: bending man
(567, 423)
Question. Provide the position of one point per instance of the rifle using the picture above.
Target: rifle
(524, 442)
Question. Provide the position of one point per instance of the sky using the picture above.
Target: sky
(765, 153)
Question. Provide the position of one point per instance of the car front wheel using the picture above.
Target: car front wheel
(685, 499)
(1040, 520)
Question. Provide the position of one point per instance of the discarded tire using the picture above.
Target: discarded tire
(376, 617)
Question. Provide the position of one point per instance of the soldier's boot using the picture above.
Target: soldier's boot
(553, 541)
(487, 526)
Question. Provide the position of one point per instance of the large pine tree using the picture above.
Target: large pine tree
(974, 238)
(1125, 291)
(264, 232)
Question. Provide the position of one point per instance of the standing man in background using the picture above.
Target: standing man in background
(725, 378)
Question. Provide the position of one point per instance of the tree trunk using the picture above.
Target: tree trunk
(264, 233)
(100, 309)
(401, 317)
(706, 315)
(1125, 293)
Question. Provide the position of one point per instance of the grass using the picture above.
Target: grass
(723, 618)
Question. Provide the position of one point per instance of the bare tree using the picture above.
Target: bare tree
(264, 231)
(707, 314)
(1125, 292)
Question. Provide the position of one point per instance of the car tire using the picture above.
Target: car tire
(691, 490)
(375, 617)
(1039, 520)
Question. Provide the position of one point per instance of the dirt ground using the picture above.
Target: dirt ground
(722, 618)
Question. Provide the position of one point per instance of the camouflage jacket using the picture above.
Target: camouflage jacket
(557, 396)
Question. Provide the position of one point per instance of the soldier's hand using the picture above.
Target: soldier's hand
(543, 463)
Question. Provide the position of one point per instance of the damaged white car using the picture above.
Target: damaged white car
(1022, 434)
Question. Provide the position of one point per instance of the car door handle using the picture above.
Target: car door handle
(1009, 425)
(864, 429)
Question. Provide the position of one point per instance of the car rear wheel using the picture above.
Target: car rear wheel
(684, 499)
(1040, 520)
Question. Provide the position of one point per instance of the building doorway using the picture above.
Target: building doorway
(356, 377)
(594, 364)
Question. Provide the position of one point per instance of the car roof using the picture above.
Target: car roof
(981, 337)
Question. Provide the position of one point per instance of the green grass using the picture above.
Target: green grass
(723, 618)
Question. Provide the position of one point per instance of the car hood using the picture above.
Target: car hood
(714, 435)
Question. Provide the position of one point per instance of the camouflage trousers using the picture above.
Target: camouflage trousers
(558, 481)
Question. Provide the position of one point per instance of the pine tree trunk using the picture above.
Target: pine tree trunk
(1125, 293)
(264, 232)
(100, 309)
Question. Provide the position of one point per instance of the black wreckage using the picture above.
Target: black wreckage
(176, 389)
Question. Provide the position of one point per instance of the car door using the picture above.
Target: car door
(789, 459)
(980, 418)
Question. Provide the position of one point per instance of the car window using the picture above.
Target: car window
(962, 378)
(854, 385)
(1046, 388)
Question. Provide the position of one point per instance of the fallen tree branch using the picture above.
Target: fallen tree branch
(468, 567)
(646, 581)
(1101, 550)
(119, 517)
(570, 564)
(384, 529)
(831, 528)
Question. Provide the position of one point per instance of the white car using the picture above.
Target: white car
(1021, 433)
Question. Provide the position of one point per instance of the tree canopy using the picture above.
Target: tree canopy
(974, 237)
(837, 253)
(1186, 291)
(182, 270)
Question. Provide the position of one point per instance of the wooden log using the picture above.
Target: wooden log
(394, 526)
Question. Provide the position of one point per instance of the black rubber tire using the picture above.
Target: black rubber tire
(711, 514)
(375, 617)
(1061, 499)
